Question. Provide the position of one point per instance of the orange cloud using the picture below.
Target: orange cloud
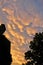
(18, 36)
(31, 31)
(7, 10)
(18, 57)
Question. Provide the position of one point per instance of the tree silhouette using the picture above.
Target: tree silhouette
(35, 54)
(5, 56)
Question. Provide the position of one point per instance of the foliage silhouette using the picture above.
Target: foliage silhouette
(5, 56)
(35, 54)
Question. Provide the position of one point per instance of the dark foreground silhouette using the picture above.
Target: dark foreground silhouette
(35, 54)
(5, 56)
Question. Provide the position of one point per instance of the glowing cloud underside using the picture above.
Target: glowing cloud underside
(22, 18)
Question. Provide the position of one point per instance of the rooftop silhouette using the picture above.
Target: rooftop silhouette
(5, 47)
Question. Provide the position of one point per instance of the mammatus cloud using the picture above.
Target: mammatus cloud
(31, 31)
(22, 18)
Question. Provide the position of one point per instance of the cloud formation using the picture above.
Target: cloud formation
(23, 18)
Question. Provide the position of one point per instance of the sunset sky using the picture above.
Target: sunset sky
(22, 18)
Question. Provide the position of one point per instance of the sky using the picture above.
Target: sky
(22, 18)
